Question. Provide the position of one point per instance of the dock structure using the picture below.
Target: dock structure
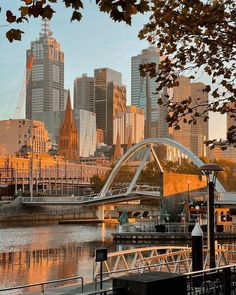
(134, 237)
(170, 232)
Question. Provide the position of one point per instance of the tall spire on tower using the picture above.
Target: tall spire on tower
(45, 28)
(68, 118)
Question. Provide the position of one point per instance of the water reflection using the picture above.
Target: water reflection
(34, 254)
(40, 253)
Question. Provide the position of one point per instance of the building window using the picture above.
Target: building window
(37, 100)
(56, 99)
(38, 72)
(56, 73)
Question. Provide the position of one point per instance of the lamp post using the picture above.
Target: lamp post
(32, 160)
(211, 171)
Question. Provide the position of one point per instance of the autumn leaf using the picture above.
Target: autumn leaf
(10, 17)
(14, 34)
(76, 16)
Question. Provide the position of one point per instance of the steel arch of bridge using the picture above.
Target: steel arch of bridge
(148, 144)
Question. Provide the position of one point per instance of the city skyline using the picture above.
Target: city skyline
(88, 45)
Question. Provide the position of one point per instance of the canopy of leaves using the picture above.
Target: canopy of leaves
(192, 35)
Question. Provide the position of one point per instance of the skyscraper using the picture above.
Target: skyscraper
(110, 98)
(144, 94)
(84, 93)
(129, 125)
(45, 90)
(192, 136)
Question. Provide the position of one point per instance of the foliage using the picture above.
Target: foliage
(196, 37)
(193, 36)
(228, 176)
(118, 11)
(185, 167)
(97, 183)
(149, 175)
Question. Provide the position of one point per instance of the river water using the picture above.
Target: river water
(32, 254)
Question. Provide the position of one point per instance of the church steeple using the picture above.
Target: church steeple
(68, 135)
(69, 117)
(118, 151)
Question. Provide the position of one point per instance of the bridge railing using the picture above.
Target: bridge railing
(168, 259)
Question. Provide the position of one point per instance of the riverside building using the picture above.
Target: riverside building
(15, 134)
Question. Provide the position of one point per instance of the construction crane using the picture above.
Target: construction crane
(22, 93)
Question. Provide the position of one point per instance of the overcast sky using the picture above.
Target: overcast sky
(94, 42)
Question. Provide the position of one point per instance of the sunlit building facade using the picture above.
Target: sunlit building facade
(129, 125)
(14, 134)
(110, 98)
(86, 124)
(192, 136)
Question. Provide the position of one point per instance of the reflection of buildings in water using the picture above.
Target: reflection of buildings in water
(40, 253)
(39, 265)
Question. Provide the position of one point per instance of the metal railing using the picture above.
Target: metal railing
(43, 284)
(214, 281)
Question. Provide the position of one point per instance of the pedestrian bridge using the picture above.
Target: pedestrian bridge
(109, 195)
(113, 196)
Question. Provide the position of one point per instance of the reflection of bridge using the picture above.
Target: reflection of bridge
(107, 195)
(113, 196)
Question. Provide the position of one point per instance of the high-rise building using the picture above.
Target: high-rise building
(129, 125)
(110, 98)
(144, 94)
(86, 124)
(45, 89)
(68, 135)
(200, 130)
(192, 136)
(15, 134)
(84, 93)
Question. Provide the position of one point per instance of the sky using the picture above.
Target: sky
(94, 42)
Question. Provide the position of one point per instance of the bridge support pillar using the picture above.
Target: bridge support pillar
(100, 212)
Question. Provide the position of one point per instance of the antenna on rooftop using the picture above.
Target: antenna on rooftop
(45, 29)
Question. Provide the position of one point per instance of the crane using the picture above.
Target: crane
(22, 93)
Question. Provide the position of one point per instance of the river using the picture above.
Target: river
(31, 254)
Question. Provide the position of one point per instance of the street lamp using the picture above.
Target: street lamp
(211, 171)
(32, 160)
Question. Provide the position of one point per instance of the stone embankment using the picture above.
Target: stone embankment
(16, 212)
